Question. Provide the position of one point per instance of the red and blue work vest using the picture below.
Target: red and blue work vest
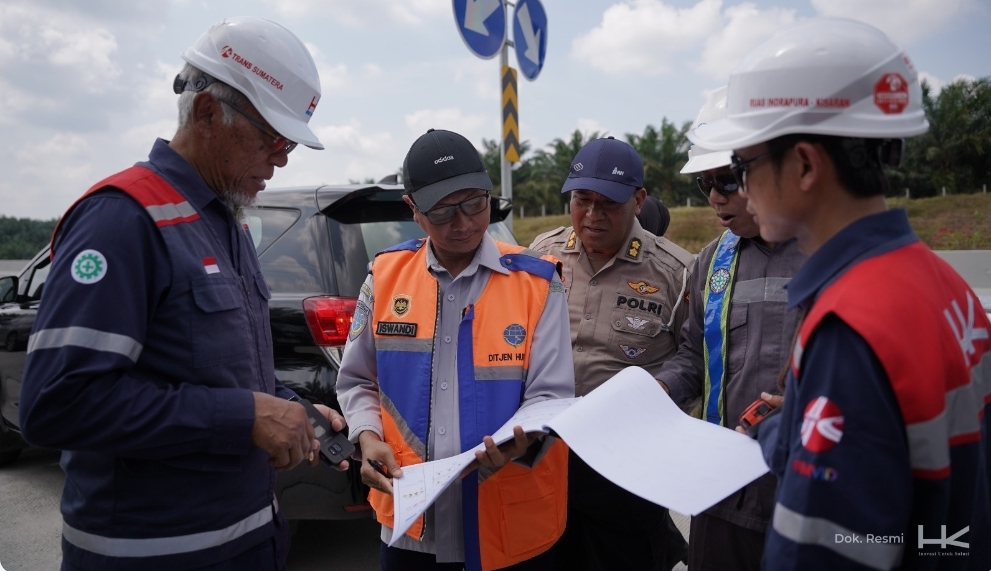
(518, 512)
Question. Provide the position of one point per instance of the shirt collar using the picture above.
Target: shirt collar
(486, 255)
(631, 250)
(865, 238)
(174, 168)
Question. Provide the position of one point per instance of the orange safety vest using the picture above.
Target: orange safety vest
(518, 512)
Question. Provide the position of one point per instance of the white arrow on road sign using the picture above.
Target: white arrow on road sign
(476, 11)
(482, 25)
(531, 36)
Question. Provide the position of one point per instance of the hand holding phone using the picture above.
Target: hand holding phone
(334, 446)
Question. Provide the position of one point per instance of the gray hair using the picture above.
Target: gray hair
(217, 88)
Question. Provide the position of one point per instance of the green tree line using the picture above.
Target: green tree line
(955, 153)
(22, 238)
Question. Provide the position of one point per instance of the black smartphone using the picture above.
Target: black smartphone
(334, 446)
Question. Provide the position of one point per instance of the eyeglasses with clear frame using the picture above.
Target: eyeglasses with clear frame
(274, 141)
(725, 184)
(444, 214)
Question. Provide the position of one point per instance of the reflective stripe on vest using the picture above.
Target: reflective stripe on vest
(157, 546)
(719, 282)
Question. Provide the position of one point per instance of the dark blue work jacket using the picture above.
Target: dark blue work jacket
(153, 334)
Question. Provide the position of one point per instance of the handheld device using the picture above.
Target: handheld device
(758, 410)
(334, 446)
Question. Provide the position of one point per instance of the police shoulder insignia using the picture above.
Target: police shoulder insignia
(514, 334)
(366, 291)
(643, 287)
(571, 240)
(400, 304)
(359, 321)
(556, 287)
(632, 352)
(634, 250)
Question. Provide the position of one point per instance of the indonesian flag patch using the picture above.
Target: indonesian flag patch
(210, 265)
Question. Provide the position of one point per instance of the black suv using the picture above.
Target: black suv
(314, 245)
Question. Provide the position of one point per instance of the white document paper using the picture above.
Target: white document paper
(630, 431)
(421, 484)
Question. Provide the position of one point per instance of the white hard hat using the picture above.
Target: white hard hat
(270, 66)
(702, 159)
(822, 77)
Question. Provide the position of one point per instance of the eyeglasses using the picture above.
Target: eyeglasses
(725, 184)
(277, 142)
(444, 214)
(740, 166)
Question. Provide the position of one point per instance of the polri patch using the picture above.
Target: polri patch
(89, 267)
(396, 328)
(643, 287)
(359, 321)
(632, 352)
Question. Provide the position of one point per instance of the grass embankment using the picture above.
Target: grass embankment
(957, 222)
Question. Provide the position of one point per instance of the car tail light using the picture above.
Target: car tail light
(329, 318)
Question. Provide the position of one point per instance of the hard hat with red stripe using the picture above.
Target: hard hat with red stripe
(821, 77)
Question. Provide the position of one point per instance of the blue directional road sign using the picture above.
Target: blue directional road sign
(530, 37)
(482, 24)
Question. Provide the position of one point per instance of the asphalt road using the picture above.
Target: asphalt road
(31, 528)
(30, 532)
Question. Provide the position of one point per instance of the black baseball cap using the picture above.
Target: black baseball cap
(440, 163)
(608, 166)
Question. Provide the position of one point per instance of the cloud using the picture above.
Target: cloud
(905, 21)
(367, 13)
(589, 126)
(936, 85)
(650, 37)
(746, 27)
(646, 36)
(473, 127)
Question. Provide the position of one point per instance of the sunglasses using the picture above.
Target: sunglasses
(274, 142)
(444, 214)
(725, 184)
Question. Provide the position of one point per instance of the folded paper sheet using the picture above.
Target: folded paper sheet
(629, 431)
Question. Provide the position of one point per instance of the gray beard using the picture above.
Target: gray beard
(235, 201)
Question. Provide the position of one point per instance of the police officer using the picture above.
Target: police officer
(151, 364)
(881, 448)
(735, 342)
(452, 335)
(627, 298)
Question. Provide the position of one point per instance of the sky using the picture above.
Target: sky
(85, 87)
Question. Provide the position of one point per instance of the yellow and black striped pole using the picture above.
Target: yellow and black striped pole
(510, 116)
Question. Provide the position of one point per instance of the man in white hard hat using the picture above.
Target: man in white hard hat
(734, 343)
(881, 448)
(151, 364)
